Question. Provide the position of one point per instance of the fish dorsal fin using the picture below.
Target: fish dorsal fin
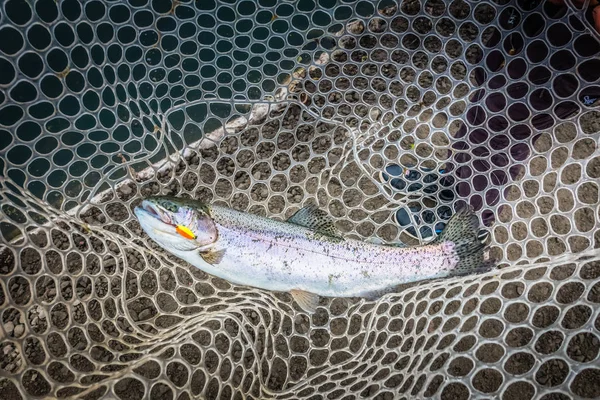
(306, 300)
(315, 219)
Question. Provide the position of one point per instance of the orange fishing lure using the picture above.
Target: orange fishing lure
(185, 232)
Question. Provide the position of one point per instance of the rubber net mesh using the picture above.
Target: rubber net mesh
(387, 115)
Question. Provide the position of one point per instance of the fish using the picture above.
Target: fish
(306, 255)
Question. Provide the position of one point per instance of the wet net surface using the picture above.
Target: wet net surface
(387, 115)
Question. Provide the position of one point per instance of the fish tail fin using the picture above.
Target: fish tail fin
(463, 231)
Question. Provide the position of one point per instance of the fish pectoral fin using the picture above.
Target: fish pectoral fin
(315, 219)
(306, 300)
(212, 256)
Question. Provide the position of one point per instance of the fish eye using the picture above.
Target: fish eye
(168, 205)
(171, 207)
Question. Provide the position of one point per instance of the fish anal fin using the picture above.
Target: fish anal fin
(306, 300)
(315, 219)
(213, 257)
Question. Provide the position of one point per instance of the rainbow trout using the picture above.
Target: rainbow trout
(305, 256)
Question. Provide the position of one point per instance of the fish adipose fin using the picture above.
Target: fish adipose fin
(212, 256)
(306, 300)
(463, 231)
(315, 219)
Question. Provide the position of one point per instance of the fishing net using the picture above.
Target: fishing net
(389, 116)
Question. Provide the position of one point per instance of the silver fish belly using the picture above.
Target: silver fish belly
(283, 256)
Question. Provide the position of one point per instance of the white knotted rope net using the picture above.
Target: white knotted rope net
(387, 115)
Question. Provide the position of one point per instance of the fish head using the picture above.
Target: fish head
(177, 224)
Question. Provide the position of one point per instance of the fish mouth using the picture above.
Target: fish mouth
(154, 211)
